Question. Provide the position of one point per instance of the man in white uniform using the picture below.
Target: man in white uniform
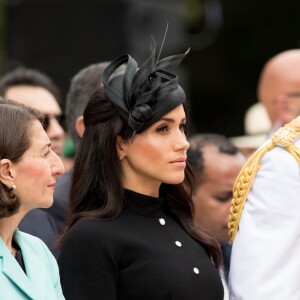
(265, 221)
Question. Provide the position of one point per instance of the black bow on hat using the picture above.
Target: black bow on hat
(143, 95)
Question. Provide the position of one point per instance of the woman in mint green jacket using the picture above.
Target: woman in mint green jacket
(28, 172)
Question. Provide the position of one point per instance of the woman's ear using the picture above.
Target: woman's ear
(7, 172)
(79, 125)
(121, 147)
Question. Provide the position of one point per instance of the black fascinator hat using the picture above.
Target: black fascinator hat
(143, 95)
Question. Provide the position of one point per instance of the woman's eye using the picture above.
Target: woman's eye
(162, 129)
(183, 127)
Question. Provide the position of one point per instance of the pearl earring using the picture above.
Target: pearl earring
(14, 187)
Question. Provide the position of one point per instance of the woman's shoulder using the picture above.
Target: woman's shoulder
(86, 224)
(92, 233)
(92, 228)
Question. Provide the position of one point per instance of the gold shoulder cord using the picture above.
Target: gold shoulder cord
(284, 137)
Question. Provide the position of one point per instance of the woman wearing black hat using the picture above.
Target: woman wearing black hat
(130, 234)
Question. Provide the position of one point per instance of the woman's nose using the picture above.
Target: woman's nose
(182, 143)
(57, 166)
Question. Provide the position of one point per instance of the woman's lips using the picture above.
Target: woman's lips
(179, 162)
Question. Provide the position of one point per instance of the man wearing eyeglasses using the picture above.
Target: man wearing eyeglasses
(37, 90)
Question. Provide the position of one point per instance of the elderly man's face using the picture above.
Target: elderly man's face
(279, 87)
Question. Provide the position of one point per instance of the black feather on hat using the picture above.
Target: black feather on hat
(143, 95)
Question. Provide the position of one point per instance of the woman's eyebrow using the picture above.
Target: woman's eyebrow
(171, 120)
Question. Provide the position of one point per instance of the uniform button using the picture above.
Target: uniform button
(196, 270)
(162, 221)
(178, 244)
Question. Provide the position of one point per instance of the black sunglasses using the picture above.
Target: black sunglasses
(60, 119)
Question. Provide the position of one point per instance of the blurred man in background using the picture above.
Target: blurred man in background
(279, 100)
(83, 85)
(35, 89)
(279, 87)
(215, 163)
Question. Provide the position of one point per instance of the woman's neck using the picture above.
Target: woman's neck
(7, 228)
(145, 189)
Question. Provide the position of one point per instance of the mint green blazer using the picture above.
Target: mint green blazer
(41, 281)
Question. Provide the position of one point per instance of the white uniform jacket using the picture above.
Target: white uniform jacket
(265, 261)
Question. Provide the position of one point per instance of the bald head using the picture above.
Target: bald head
(279, 87)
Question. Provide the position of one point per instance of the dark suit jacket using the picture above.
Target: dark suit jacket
(60, 208)
(226, 254)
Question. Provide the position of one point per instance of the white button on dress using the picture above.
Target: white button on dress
(178, 244)
(196, 270)
(162, 221)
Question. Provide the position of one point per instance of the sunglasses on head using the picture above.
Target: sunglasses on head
(60, 119)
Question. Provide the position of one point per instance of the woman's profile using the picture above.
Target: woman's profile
(28, 173)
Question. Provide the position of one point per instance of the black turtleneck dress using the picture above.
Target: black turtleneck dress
(143, 254)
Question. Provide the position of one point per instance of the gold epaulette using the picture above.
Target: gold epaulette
(285, 138)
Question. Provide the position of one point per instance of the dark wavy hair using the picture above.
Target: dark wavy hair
(96, 190)
(15, 124)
